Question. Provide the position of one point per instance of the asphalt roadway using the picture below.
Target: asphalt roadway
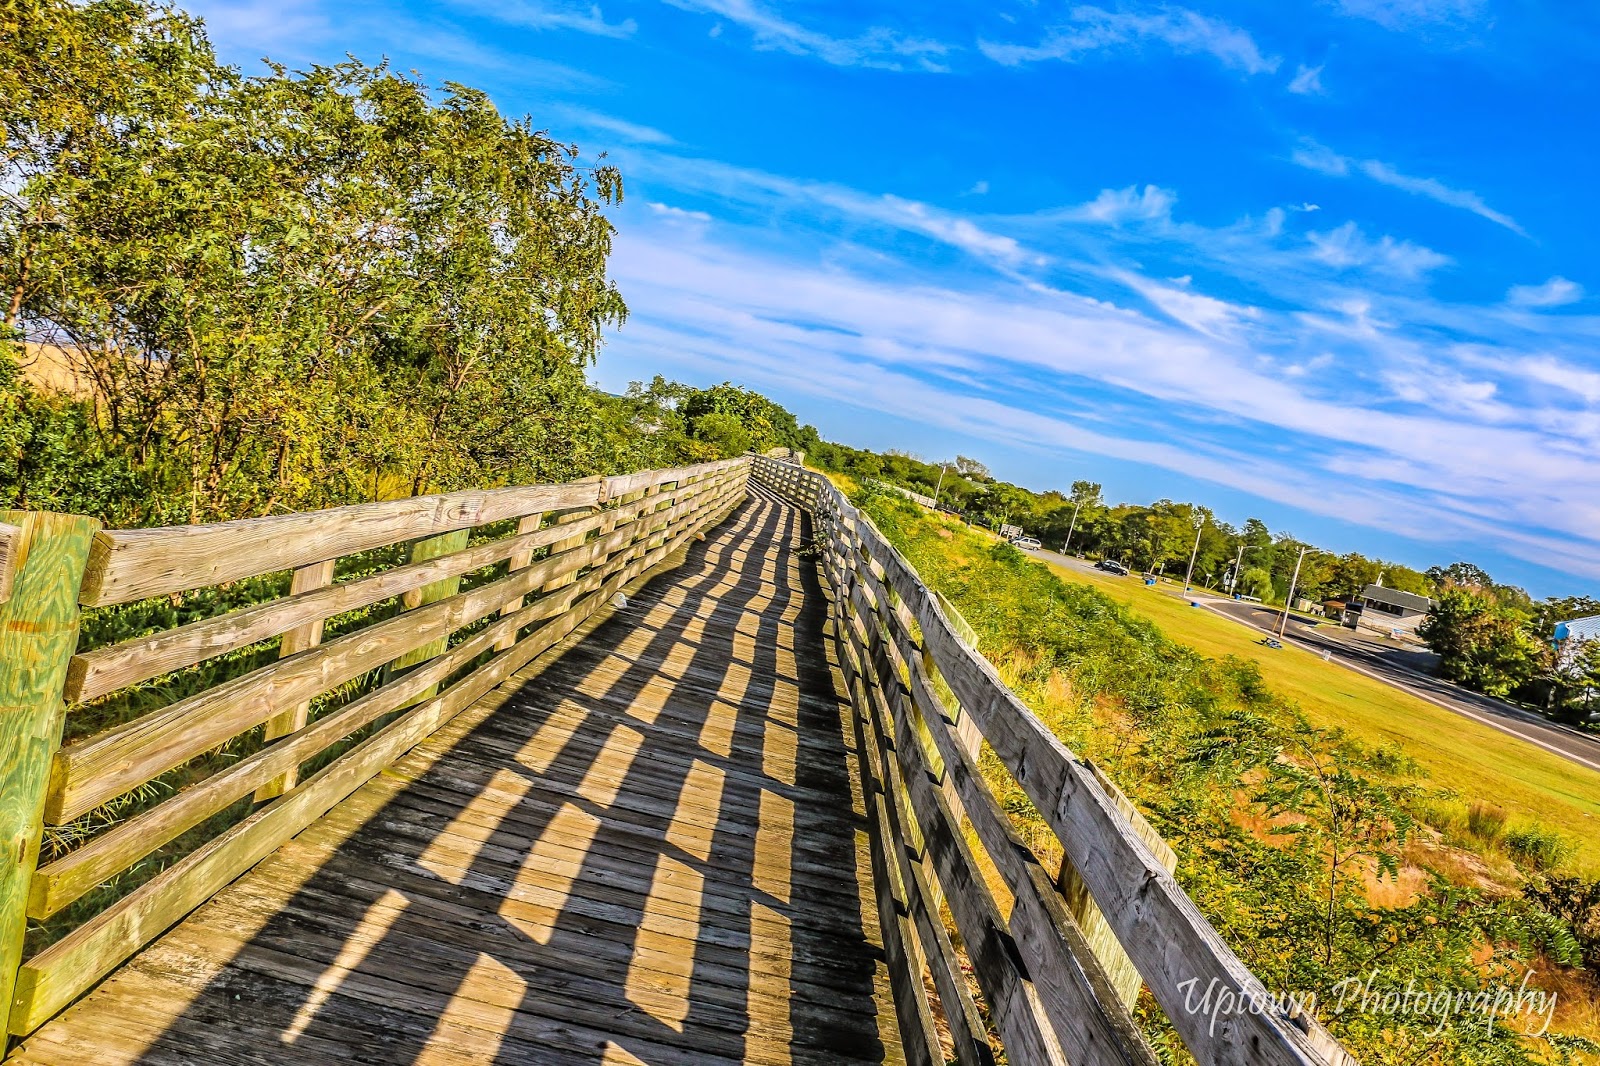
(1393, 664)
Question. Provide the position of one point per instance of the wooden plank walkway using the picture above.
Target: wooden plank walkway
(650, 848)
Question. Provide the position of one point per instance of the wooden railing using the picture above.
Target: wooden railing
(430, 603)
(926, 702)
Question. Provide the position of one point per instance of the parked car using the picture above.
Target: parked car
(1026, 543)
(1111, 566)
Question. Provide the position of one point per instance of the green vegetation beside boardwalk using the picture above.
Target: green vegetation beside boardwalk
(1332, 829)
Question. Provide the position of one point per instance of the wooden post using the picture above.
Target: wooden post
(38, 634)
(566, 545)
(443, 589)
(966, 729)
(520, 561)
(1096, 930)
(305, 579)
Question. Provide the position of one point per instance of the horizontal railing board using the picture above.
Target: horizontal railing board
(917, 1028)
(134, 564)
(102, 767)
(1169, 940)
(1001, 975)
(61, 882)
(54, 977)
(1078, 996)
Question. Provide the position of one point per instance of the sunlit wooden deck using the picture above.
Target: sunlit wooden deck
(649, 848)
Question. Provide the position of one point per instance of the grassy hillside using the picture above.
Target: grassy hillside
(1327, 840)
(1479, 763)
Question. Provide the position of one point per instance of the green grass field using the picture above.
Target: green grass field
(1476, 761)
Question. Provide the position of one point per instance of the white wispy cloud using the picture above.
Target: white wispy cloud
(1413, 14)
(678, 214)
(594, 120)
(1556, 292)
(1426, 450)
(542, 15)
(760, 189)
(1307, 81)
(877, 46)
(1314, 156)
(1090, 30)
(1129, 204)
(1348, 247)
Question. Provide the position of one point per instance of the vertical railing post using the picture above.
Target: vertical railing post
(305, 579)
(38, 634)
(421, 551)
(519, 561)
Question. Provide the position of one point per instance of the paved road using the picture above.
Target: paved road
(1397, 666)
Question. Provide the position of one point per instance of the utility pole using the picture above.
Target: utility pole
(1072, 526)
(1199, 524)
(939, 486)
(1284, 621)
(1233, 578)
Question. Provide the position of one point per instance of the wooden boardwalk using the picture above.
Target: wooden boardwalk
(649, 847)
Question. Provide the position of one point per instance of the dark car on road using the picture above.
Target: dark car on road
(1111, 566)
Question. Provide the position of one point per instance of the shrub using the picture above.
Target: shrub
(1486, 822)
(1539, 846)
(1576, 902)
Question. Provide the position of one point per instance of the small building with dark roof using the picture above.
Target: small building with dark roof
(1388, 611)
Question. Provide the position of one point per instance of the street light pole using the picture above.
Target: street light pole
(939, 486)
(1199, 524)
(1074, 525)
(1233, 579)
(1283, 622)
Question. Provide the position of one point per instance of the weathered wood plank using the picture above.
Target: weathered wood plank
(1077, 995)
(59, 883)
(918, 1033)
(132, 564)
(1006, 984)
(969, 1035)
(38, 629)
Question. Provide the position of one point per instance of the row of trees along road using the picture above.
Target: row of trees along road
(1158, 537)
(1489, 636)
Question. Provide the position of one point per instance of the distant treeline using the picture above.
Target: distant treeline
(1490, 636)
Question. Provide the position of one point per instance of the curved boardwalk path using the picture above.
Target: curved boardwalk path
(651, 850)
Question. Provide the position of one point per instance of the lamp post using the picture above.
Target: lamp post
(1283, 622)
(1238, 561)
(939, 486)
(1199, 524)
(1076, 505)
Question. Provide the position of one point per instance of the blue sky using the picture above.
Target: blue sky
(1331, 263)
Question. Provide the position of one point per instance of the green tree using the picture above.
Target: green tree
(1481, 642)
(1255, 581)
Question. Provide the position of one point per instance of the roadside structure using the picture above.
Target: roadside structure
(1388, 611)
